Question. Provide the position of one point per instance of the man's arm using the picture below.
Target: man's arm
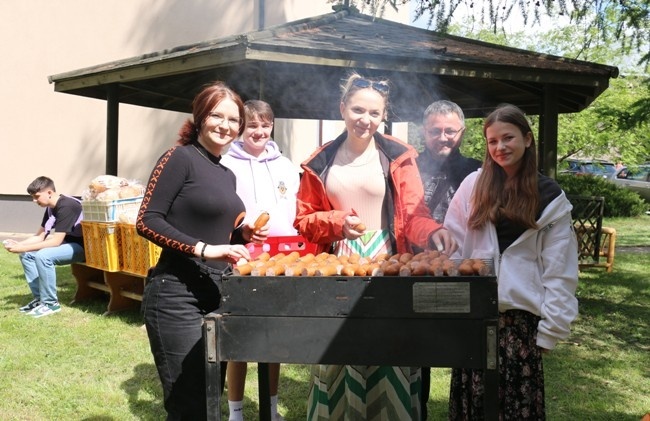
(36, 238)
(37, 242)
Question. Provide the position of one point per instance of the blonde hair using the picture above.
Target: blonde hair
(355, 82)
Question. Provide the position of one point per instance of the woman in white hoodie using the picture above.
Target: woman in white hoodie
(521, 219)
(266, 182)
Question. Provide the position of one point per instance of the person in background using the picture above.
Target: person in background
(521, 220)
(266, 182)
(370, 178)
(442, 168)
(191, 209)
(58, 241)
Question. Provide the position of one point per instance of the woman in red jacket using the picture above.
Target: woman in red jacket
(361, 193)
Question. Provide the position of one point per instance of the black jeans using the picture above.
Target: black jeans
(173, 312)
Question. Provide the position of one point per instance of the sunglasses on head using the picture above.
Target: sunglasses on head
(381, 87)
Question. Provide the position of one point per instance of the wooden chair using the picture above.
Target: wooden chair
(594, 240)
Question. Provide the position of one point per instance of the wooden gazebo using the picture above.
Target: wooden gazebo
(297, 67)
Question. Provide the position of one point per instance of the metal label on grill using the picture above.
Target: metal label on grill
(443, 297)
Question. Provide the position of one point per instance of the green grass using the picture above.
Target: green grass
(80, 365)
(630, 231)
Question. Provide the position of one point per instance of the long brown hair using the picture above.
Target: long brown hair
(204, 102)
(498, 197)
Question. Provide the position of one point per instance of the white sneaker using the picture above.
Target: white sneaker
(30, 306)
(45, 310)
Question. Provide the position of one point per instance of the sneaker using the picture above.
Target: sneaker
(45, 310)
(30, 306)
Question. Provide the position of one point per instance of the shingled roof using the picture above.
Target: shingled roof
(297, 67)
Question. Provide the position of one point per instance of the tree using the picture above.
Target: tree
(617, 124)
(624, 22)
(613, 125)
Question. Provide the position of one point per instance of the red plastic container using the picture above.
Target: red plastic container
(275, 245)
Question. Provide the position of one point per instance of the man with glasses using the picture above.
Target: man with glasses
(441, 165)
(442, 168)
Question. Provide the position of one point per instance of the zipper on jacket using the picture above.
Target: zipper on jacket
(548, 227)
(498, 272)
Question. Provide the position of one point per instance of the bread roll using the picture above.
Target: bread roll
(465, 268)
(242, 270)
(327, 270)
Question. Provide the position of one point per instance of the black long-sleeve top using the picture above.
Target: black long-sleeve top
(190, 196)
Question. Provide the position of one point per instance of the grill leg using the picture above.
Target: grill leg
(264, 391)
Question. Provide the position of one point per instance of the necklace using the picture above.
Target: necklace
(204, 155)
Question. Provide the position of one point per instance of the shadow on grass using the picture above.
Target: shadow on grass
(67, 287)
(146, 401)
(292, 393)
(601, 365)
(144, 393)
(437, 409)
(615, 305)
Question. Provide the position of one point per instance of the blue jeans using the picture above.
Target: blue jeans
(40, 271)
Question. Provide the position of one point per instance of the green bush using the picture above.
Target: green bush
(619, 202)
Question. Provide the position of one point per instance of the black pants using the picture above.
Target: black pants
(173, 311)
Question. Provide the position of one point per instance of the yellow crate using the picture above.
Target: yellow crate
(101, 245)
(137, 254)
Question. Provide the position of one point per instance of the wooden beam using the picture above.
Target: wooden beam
(548, 132)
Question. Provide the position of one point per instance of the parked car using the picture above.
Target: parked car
(594, 167)
(636, 179)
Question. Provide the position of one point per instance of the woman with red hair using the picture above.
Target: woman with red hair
(191, 210)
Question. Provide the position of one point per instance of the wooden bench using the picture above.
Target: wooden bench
(124, 289)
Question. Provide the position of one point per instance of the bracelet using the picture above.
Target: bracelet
(203, 251)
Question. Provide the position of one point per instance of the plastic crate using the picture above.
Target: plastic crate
(137, 254)
(101, 245)
(275, 245)
(99, 211)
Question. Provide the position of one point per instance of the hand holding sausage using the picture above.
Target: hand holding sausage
(261, 221)
(353, 228)
(258, 231)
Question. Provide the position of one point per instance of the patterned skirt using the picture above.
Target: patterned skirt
(521, 375)
(354, 393)
(360, 393)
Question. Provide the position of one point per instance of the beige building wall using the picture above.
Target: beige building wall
(63, 136)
